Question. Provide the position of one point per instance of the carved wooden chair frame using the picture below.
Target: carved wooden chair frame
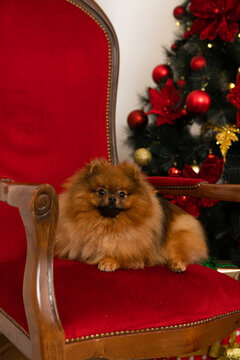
(38, 206)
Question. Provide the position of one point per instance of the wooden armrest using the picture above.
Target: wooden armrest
(17, 194)
(225, 192)
(38, 206)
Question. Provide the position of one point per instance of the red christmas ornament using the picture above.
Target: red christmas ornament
(198, 102)
(181, 83)
(184, 112)
(173, 47)
(137, 119)
(186, 34)
(174, 171)
(211, 156)
(161, 72)
(216, 11)
(234, 98)
(198, 63)
(179, 12)
(215, 18)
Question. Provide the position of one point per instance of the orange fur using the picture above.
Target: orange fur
(110, 216)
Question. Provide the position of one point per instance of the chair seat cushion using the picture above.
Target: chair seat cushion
(92, 302)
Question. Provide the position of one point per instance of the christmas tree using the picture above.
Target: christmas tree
(189, 123)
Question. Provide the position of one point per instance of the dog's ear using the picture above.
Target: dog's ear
(130, 170)
(95, 166)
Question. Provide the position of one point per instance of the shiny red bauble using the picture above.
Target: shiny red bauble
(216, 11)
(211, 156)
(198, 102)
(137, 119)
(174, 171)
(161, 72)
(179, 12)
(198, 63)
(184, 112)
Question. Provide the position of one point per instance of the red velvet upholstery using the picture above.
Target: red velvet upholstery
(164, 181)
(48, 67)
(53, 98)
(126, 299)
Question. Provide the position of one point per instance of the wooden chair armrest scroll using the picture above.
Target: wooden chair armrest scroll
(38, 206)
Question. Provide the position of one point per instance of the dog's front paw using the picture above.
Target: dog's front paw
(108, 264)
(177, 266)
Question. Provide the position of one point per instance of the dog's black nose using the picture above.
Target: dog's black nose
(112, 200)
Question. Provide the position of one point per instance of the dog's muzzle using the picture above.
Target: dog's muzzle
(109, 211)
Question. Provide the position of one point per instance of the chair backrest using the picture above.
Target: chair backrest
(58, 79)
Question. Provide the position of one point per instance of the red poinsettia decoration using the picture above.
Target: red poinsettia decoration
(215, 17)
(166, 103)
(234, 98)
(211, 171)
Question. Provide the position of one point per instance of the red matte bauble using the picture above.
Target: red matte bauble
(161, 72)
(137, 119)
(174, 171)
(186, 34)
(181, 83)
(198, 63)
(198, 102)
(179, 12)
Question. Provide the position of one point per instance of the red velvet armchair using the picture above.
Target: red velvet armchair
(58, 71)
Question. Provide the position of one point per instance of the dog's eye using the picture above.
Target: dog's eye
(101, 192)
(122, 194)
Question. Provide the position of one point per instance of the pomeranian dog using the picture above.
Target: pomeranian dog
(110, 216)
